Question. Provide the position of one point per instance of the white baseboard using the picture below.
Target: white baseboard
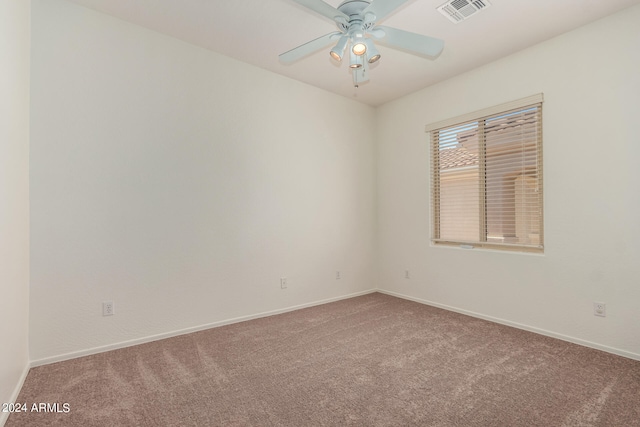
(143, 340)
(551, 334)
(4, 416)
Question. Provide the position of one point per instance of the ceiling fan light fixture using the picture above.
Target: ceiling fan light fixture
(355, 61)
(359, 46)
(374, 55)
(338, 51)
(358, 43)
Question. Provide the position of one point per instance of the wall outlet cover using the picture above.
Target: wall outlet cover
(108, 308)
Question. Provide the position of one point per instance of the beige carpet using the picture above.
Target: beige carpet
(373, 360)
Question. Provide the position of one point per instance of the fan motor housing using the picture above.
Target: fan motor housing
(353, 9)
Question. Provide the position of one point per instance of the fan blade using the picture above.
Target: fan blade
(323, 9)
(308, 48)
(416, 44)
(383, 8)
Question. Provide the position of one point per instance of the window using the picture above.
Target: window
(487, 178)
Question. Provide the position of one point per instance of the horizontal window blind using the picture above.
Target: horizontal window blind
(487, 180)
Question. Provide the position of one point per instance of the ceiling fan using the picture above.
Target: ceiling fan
(356, 20)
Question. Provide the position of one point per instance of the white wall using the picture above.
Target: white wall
(14, 196)
(182, 185)
(591, 83)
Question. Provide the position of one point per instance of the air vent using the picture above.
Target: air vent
(459, 10)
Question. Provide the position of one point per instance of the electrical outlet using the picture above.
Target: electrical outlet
(337, 275)
(283, 283)
(406, 274)
(599, 309)
(107, 308)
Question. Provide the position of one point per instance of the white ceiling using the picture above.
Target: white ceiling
(257, 31)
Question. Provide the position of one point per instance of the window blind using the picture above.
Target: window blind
(487, 180)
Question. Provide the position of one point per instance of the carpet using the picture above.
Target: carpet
(373, 360)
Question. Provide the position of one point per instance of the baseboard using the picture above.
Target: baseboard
(143, 340)
(551, 334)
(4, 416)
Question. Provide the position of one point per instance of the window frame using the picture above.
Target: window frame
(435, 184)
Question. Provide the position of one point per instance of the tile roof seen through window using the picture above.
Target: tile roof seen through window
(457, 157)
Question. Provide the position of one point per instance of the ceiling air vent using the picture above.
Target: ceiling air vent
(459, 10)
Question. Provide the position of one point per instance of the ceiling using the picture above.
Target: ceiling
(257, 31)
